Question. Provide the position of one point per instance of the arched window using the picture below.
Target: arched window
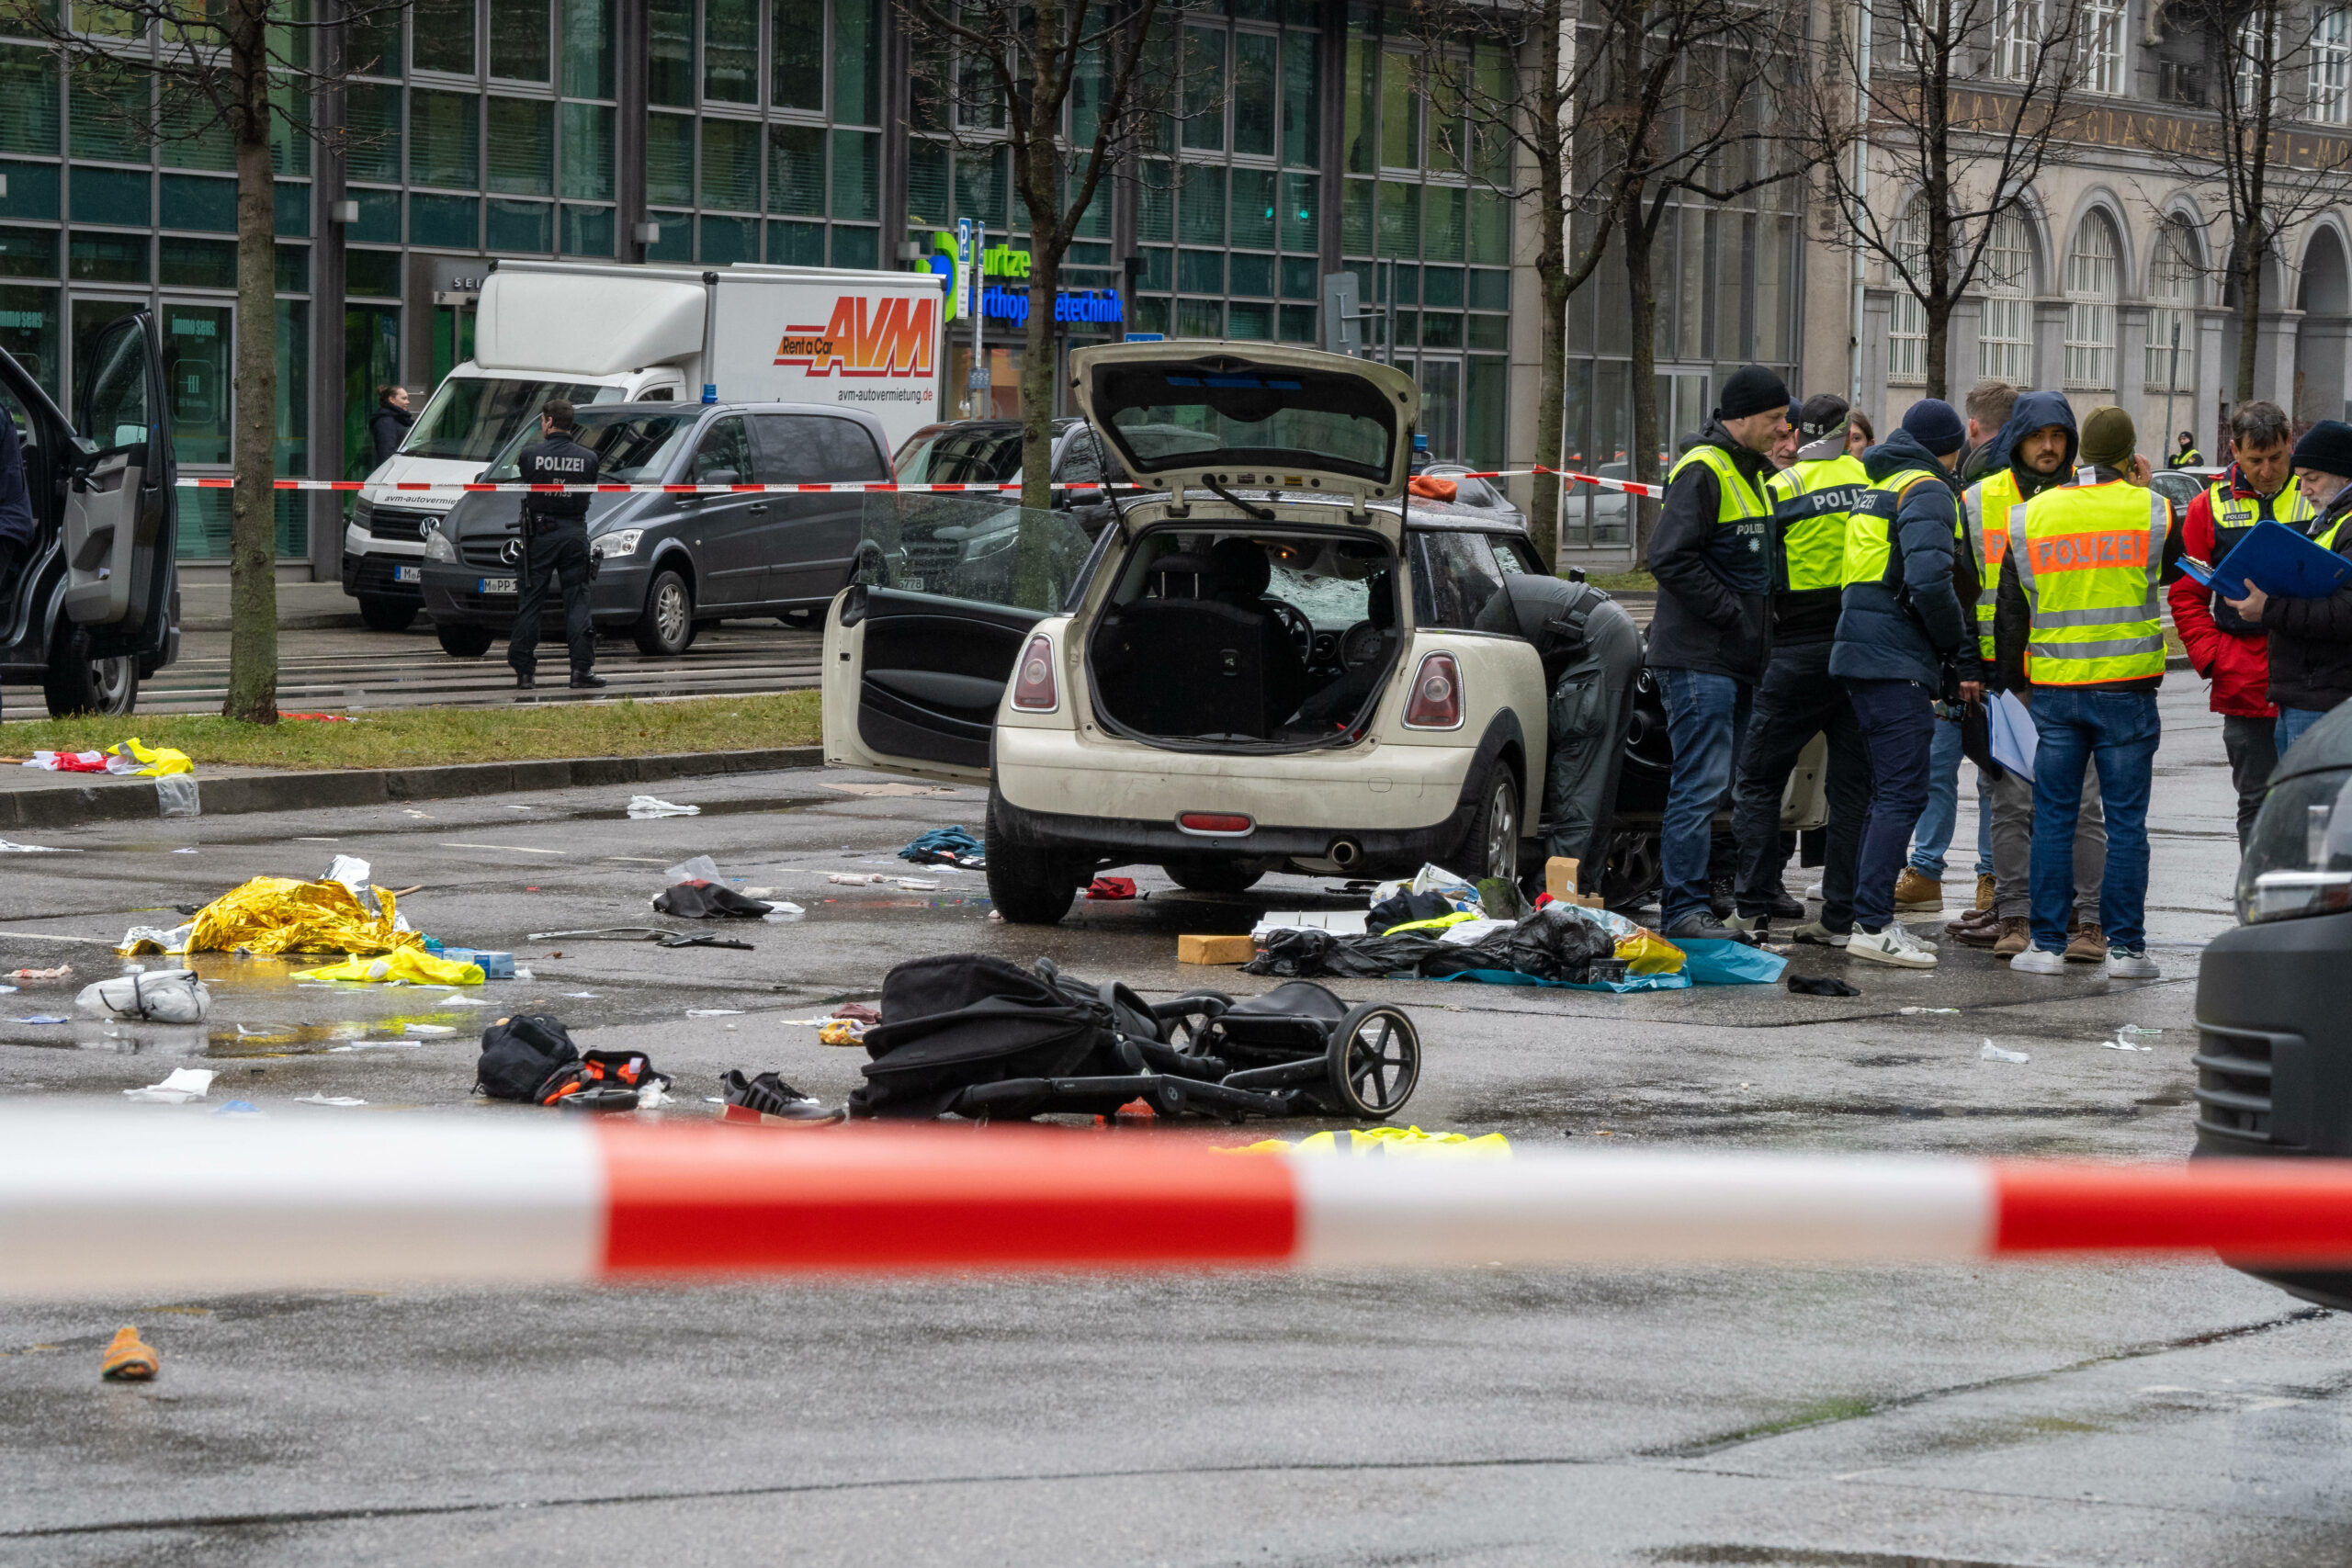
(1907, 326)
(2004, 337)
(2172, 289)
(2091, 274)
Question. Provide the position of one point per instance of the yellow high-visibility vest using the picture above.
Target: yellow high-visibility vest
(1870, 533)
(1737, 499)
(1991, 496)
(1811, 500)
(2090, 557)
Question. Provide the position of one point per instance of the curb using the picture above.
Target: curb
(330, 622)
(73, 806)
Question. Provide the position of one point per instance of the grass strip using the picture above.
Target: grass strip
(407, 737)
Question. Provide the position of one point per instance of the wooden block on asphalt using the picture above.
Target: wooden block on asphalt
(1215, 950)
(1560, 877)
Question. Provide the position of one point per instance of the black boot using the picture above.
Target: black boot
(582, 680)
(522, 682)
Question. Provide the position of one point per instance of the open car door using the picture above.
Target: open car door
(120, 519)
(919, 647)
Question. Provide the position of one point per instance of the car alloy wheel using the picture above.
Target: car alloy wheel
(1501, 843)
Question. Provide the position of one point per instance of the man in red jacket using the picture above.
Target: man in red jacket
(2222, 647)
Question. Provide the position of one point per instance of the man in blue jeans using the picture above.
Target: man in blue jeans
(1711, 634)
(2311, 639)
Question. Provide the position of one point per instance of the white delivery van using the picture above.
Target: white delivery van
(600, 332)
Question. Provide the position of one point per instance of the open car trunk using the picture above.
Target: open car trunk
(1243, 636)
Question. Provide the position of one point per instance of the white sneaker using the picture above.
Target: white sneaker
(2042, 961)
(1894, 946)
(2128, 964)
(1812, 891)
(1820, 935)
(1747, 925)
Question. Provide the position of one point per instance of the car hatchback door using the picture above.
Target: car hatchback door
(120, 514)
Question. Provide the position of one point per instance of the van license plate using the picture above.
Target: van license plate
(497, 585)
(910, 584)
(408, 574)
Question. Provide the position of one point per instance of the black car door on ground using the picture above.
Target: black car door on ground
(725, 529)
(810, 542)
(120, 508)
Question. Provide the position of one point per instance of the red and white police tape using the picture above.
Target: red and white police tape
(876, 487)
(142, 1203)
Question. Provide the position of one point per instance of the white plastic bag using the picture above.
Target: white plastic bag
(175, 795)
(158, 996)
(183, 1085)
(641, 806)
(702, 868)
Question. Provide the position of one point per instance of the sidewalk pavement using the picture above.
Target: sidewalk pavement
(302, 607)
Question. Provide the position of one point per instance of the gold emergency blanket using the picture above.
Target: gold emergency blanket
(1393, 1143)
(277, 913)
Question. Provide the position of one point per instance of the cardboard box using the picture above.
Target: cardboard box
(1560, 877)
(1215, 950)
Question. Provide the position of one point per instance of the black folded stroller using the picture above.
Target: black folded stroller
(966, 1035)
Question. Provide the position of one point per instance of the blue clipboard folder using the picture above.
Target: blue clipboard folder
(2277, 559)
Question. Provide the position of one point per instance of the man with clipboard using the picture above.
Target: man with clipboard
(2311, 639)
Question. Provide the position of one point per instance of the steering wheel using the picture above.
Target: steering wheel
(1294, 622)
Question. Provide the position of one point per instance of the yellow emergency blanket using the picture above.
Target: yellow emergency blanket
(1646, 953)
(402, 966)
(155, 761)
(1385, 1143)
(271, 915)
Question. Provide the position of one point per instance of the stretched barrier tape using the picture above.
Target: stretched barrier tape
(147, 1202)
(875, 487)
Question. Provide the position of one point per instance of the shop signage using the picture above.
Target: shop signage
(999, 303)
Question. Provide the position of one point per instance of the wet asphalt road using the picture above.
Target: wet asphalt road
(1857, 1419)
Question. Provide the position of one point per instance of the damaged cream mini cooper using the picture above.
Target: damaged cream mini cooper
(1261, 660)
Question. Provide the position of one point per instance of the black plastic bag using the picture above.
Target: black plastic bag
(1308, 954)
(1403, 909)
(520, 1055)
(708, 900)
(1555, 943)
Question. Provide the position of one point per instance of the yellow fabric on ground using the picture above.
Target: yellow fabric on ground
(156, 761)
(1386, 1142)
(1646, 953)
(411, 966)
(1437, 924)
(271, 915)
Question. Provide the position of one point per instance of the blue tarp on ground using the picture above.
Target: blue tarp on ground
(1705, 964)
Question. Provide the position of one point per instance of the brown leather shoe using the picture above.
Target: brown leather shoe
(1985, 891)
(2017, 935)
(2089, 945)
(1976, 933)
(1913, 891)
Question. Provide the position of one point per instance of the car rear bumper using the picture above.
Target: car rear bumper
(2273, 1064)
(453, 594)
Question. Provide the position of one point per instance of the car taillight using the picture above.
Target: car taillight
(1436, 702)
(1225, 822)
(1032, 681)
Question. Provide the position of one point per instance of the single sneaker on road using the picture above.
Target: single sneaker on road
(2039, 961)
(2131, 964)
(1750, 925)
(1894, 946)
(1820, 935)
(770, 1101)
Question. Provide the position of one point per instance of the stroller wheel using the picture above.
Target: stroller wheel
(1375, 1061)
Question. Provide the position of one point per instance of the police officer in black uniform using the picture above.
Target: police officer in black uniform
(555, 548)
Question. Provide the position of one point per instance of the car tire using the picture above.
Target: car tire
(1492, 844)
(1208, 874)
(74, 682)
(382, 612)
(464, 642)
(666, 629)
(1030, 887)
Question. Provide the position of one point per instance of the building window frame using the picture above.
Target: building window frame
(2093, 272)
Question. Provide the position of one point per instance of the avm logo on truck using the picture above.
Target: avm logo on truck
(891, 336)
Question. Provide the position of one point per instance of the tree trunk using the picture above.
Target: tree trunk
(1644, 370)
(1035, 583)
(252, 532)
(2250, 254)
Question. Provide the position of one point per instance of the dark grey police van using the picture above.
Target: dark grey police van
(94, 607)
(667, 564)
(2274, 1052)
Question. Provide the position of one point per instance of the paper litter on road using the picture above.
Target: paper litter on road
(917, 885)
(854, 878)
(190, 850)
(9, 847)
(583, 995)
(184, 1085)
(1339, 922)
(643, 806)
(1993, 1052)
(62, 972)
(427, 1031)
(40, 1018)
(1913, 1013)
(376, 1046)
(456, 999)
(2128, 1030)
(714, 1012)
(329, 1100)
(2124, 1045)
(651, 1096)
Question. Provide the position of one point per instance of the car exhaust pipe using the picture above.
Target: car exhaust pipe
(1346, 853)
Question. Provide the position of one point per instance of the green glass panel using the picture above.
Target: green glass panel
(797, 171)
(1200, 272)
(927, 197)
(519, 226)
(197, 264)
(105, 258)
(27, 100)
(289, 134)
(1444, 209)
(1485, 411)
(588, 51)
(587, 231)
(796, 245)
(1490, 331)
(1297, 323)
(28, 253)
(198, 343)
(799, 79)
(587, 161)
(1086, 89)
(111, 196)
(443, 139)
(380, 218)
(193, 202)
(520, 49)
(677, 241)
(1302, 227)
(1159, 270)
(669, 157)
(980, 185)
(445, 36)
(371, 359)
(1253, 274)
(1400, 218)
(731, 52)
(1204, 97)
(372, 116)
(1200, 205)
(446, 222)
(1491, 145)
(1441, 329)
(857, 247)
(1441, 287)
(857, 175)
(1257, 10)
(1489, 227)
(1400, 113)
(293, 203)
(293, 269)
(731, 164)
(1151, 316)
(1257, 92)
(1156, 203)
(522, 147)
(1200, 318)
(1301, 279)
(1249, 323)
(1302, 101)
(1096, 221)
(294, 420)
(191, 134)
(670, 53)
(376, 273)
(108, 108)
(726, 241)
(374, 43)
(1405, 284)
(1490, 290)
(1355, 218)
(1253, 208)
(1358, 119)
(857, 67)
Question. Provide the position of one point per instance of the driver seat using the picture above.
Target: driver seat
(1242, 574)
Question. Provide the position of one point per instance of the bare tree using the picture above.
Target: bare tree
(2272, 182)
(180, 69)
(1533, 105)
(1927, 119)
(1061, 78)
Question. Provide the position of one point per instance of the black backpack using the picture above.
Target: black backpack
(519, 1054)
